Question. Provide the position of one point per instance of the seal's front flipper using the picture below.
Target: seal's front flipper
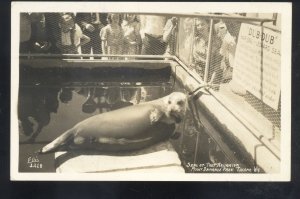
(155, 115)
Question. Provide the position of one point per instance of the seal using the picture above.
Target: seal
(129, 128)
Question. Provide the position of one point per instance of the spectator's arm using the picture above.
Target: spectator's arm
(138, 35)
(103, 37)
(81, 20)
(169, 27)
(104, 47)
(97, 21)
(84, 40)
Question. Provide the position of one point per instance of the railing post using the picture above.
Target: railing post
(262, 68)
(208, 55)
(193, 41)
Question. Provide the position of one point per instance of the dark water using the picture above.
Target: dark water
(47, 110)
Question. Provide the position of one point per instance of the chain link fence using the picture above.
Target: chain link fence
(241, 58)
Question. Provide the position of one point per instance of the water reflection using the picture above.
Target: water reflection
(36, 103)
(66, 95)
(107, 99)
(34, 108)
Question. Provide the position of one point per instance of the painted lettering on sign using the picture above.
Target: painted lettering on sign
(258, 34)
(257, 63)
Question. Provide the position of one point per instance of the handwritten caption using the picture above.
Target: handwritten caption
(221, 168)
(34, 162)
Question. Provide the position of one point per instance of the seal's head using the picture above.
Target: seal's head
(176, 104)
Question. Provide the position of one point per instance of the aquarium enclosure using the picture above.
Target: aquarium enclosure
(227, 63)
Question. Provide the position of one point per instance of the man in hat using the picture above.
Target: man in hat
(71, 35)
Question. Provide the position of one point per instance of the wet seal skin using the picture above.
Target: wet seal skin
(130, 128)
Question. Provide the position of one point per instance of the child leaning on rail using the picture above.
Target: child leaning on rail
(112, 36)
(71, 36)
(200, 51)
(169, 35)
(132, 37)
(227, 50)
(200, 46)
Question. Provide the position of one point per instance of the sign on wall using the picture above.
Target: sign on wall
(257, 63)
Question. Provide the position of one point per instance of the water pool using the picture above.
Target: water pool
(53, 100)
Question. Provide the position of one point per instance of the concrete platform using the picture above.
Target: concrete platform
(160, 158)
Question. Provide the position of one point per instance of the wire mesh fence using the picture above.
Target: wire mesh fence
(244, 57)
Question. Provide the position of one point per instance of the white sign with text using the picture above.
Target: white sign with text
(257, 63)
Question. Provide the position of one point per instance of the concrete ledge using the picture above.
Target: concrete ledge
(249, 144)
(160, 158)
(87, 63)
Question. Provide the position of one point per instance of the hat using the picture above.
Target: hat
(67, 22)
(221, 29)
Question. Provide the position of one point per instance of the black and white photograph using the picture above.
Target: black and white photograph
(154, 91)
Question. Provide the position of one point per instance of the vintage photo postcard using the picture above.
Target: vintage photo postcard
(111, 91)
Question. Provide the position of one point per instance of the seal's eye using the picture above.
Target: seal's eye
(180, 102)
(169, 101)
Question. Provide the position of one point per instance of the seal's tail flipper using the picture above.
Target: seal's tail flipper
(59, 141)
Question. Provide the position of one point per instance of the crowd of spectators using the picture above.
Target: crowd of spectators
(128, 34)
(95, 33)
